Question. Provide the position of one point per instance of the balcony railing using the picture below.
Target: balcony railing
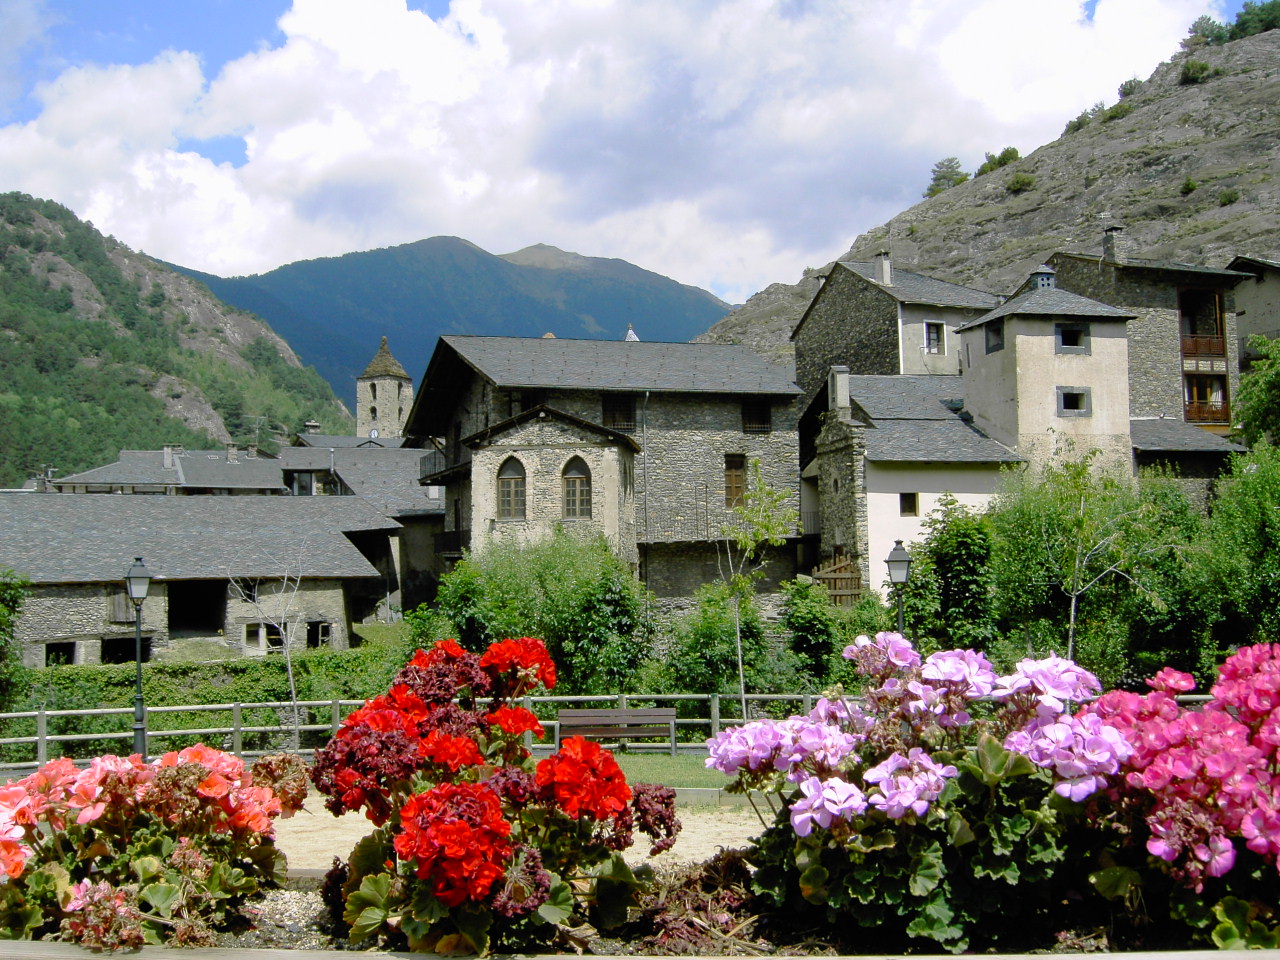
(1213, 411)
(452, 542)
(1204, 346)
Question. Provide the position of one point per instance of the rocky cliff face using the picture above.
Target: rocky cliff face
(1188, 169)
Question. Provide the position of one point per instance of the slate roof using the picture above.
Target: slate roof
(621, 365)
(1141, 263)
(910, 287)
(91, 537)
(1047, 302)
(898, 397)
(1157, 434)
(194, 468)
(386, 478)
(1244, 263)
(332, 440)
(913, 420)
(934, 441)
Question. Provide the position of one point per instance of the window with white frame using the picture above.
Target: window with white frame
(935, 338)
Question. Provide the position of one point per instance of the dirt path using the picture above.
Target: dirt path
(312, 838)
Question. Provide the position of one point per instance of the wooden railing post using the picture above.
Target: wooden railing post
(42, 733)
(715, 714)
(335, 719)
(527, 703)
(237, 731)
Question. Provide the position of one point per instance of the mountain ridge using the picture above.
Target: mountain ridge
(334, 310)
(1164, 167)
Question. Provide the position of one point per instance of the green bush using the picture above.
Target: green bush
(1129, 87)
(1079, 123)
(1189, 187)
(1020, 183)
(573, 594)
(1227, 197)
(1197, 71)
(1118, 112)
(995, 161)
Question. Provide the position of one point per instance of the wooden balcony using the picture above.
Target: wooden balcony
(1209, 412)
(1204, 346)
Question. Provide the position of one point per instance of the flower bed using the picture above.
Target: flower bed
(476, 847)
(957, 808)
(124, 852)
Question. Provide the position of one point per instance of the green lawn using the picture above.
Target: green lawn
(381, 632)
(682, 771)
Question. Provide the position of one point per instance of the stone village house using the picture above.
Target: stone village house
(219, 564)
(1133, 357)
(649, 444)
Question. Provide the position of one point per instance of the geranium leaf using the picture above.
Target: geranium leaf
(162, 896)
(147, 867)
(366, 908)
(559, 903)
(1115, 883)
(474, 926)
(813, 884)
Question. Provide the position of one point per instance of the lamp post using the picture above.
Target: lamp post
(899, 564)
(138, 580)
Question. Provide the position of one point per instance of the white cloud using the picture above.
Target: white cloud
(726, 143)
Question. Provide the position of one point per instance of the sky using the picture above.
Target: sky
(728, 144)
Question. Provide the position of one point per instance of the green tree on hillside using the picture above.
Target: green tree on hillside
(945, 175)
(13, 591)
(1256, 18)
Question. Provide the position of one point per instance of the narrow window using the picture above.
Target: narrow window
(373, 391)
(735, 479)
(511, 490)
(577, 490)
(1071, 338)
(934, 338)
(373, 413)
(619, 411)
(319, 633)
(909, 504)
(757, 416)
(995, 336)
(1074, 402)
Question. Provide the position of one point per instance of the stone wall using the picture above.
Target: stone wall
(80, 614)
(842, 485)
(674, 570)
(850, 322)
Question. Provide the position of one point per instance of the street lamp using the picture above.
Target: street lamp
(899, 564)
(138, 580)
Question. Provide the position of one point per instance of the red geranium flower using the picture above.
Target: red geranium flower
(583, 778)
(451, 752)
(515, 721)
(455, 837)
(527, 656)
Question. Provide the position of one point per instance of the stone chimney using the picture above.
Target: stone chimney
(233, 453)
(251, 452)
(170, 451)
(884, 268)
(311, 426)
(1113, 244)
(838, 391)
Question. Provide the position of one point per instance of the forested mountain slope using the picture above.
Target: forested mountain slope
(102, 349)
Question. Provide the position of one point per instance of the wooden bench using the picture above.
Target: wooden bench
(618, 724)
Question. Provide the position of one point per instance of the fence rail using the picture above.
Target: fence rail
(256, 729)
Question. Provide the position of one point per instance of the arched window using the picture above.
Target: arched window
(511, 490)
(577, 490)
(373, 413)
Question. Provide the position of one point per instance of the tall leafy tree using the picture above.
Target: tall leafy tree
(13, 590)
(1245, 541)
(1258, 400)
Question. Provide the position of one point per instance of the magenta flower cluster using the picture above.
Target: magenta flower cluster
(851, 760)
(1204, 778)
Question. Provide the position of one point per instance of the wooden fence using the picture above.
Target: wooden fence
(255, 729)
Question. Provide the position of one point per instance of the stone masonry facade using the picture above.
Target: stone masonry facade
(851, 323)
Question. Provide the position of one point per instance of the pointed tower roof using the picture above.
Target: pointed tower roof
(384, 364)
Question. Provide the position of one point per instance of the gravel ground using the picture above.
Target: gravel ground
(291, 918)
